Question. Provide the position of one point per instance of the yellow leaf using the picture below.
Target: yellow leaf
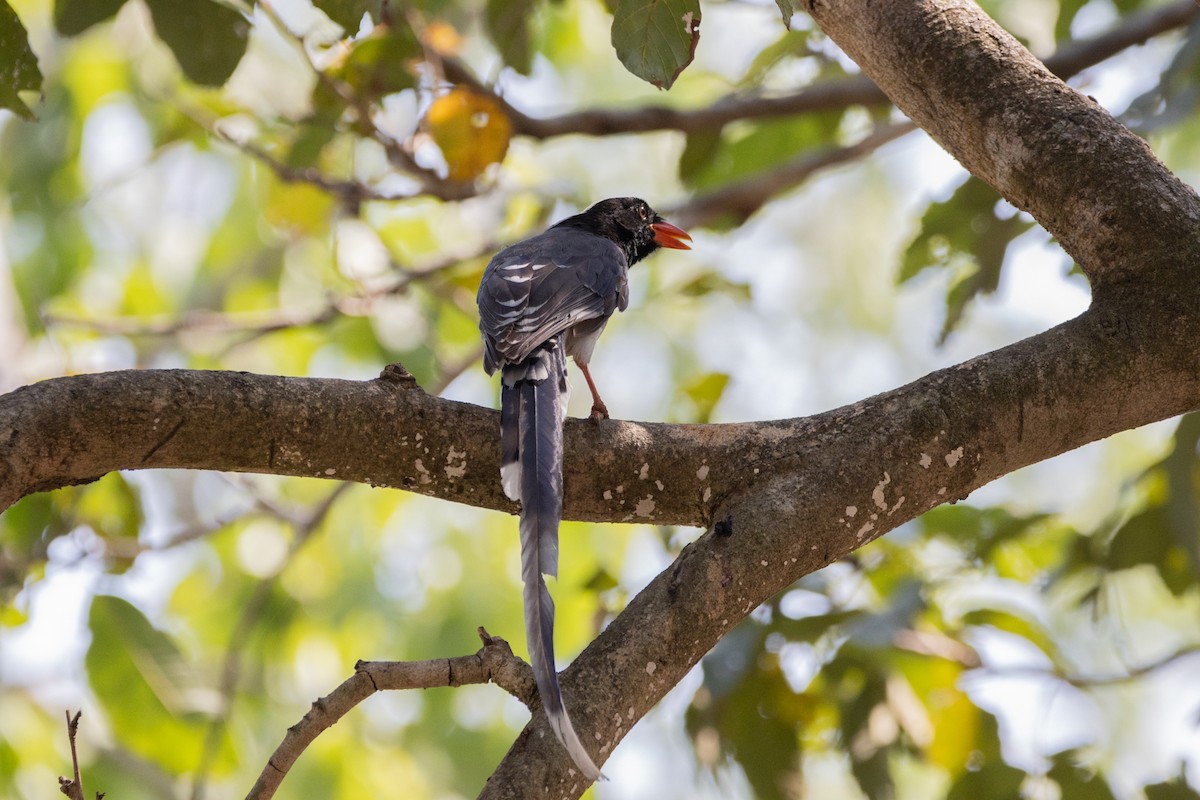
(442, 38)
(472, 131)
(956, 723)
(297, 207)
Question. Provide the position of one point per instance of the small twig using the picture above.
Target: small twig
(74, 788)
(493, 663)
(1094, 681)
(352, 193)
(201, 321)
(255, 324)
(937, 645)
(450, 372)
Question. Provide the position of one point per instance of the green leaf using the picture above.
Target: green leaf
(791, 44)
(507, 24)
(144, 685)
(380, 64)
(754, 149)
(810, 629)
(111, 507)
(601, 581)
(865, 688)
(711, 282)
(26, 529)
(309, 143)
(207, 39)
(698, 151)
(987, 776)
(1182, 468)
(964, 228)
(73, 17)
(1177, 789)
(992, 781)
(1143, 539)
(981, 529)
(787, 10)
(1076, 783)
(1067, 9)
(1146, 538)
(705, 392)
(35, 517)
(18, 66)
(656, 39)
(757, 721)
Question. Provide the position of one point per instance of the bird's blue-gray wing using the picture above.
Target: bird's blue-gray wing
(538, 288)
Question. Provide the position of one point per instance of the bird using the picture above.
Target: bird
(540, 300)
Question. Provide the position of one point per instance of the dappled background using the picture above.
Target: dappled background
(289, 189)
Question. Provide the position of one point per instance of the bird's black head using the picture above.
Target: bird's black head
(632, 224)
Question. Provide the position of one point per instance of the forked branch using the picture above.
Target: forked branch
(493, 663)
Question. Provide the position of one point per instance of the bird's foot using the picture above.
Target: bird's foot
(599, 412)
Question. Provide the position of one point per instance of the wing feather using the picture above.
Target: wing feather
(534, 290)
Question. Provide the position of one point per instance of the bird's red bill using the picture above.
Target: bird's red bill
(667, 235)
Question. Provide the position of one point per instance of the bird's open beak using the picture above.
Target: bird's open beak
(667, 235)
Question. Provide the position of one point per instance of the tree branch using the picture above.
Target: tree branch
(861, 471)
(739, 200)
(1045, 147)
(1074, 57)
(1071, 58)
(255, 323)
(1089, 681)
(795, 494)
(493, 663)
(73, 789)
(780, 499)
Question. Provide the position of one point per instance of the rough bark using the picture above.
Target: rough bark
(779, 499)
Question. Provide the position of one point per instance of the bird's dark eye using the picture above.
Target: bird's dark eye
(642, 210)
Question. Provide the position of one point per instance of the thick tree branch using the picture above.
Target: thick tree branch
(780, 499)
(784, 498)
(840, 480)
(861, 471)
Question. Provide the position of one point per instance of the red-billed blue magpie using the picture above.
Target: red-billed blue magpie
(541, 300)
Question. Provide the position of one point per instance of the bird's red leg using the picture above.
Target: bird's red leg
(599, 410)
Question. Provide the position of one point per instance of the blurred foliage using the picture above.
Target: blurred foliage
(18, 65)
(888, 670)
(970, 234)
(315, 188)
(207, 38)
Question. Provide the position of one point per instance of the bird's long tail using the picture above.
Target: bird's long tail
(533, 398)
